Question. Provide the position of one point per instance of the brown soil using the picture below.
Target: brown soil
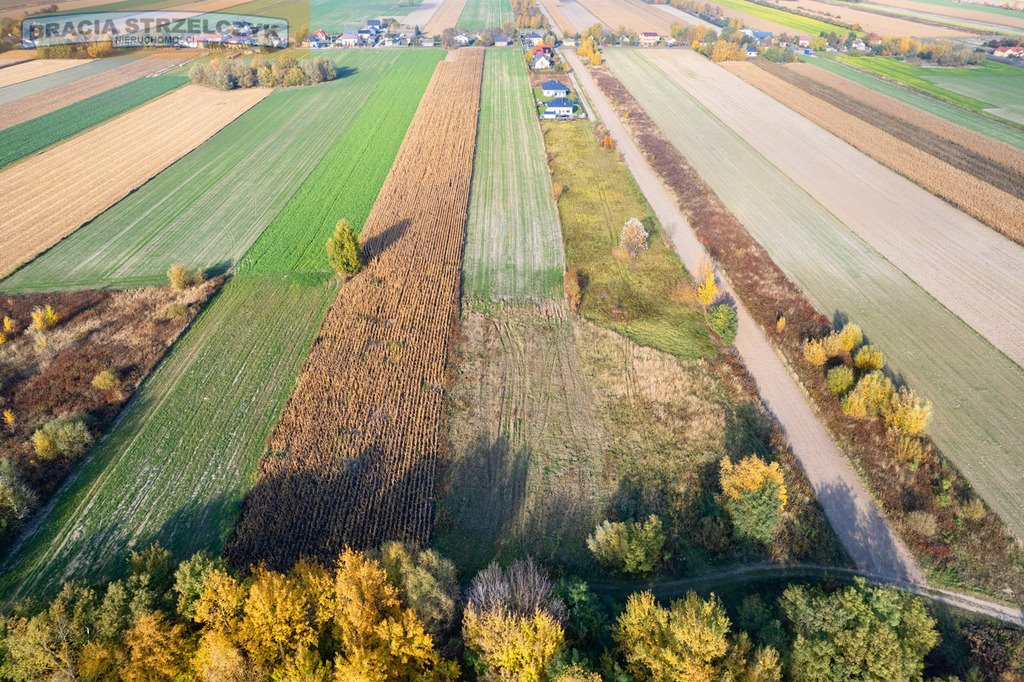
(36, 68)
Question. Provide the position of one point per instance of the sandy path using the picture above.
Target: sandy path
(32, 106)
(972, 270)
(849, 507)
(632, 15)
(871, 21)
(48, 196)
(35, 69)
(446, 16)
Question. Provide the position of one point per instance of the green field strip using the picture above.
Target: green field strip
(944, 20)
(183, 454)
(908, 75)
(975, 388)
(783, 18)
(338, 14)
(970, 119)
(991, 9)
(479, 15)
(33, 86)
(513, 241)
(358, 162)
(206, 209)
(39, 133)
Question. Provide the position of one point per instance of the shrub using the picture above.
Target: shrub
(722, 319)
(293, 77)
(522, 589)
(344, 252)
(16, 498)
(10, 420)
(632, 548)
(853, 406)
(922, 523)
(179, 277)
(707, 290)
(44, 319)
(840, 379)
(173, 311)
(9, 325)
(66, 437)
(908, 449)
(3, 338)
(832, 345)
(850, 337)
(427, 583)
(754, 495)
(633, 238)
(512, 647)
(573, 291)
(814, 353)
(876, 390)
(107, 380)
(907, 414)
(780, 324)
(869, 359)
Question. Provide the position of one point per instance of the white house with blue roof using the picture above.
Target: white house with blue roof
(559, 107)
(553, 88)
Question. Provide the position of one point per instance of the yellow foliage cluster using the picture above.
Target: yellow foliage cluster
(707, 290)
(107, 380)
(3, 338)
(589, 49)
(9, 419)
(726, 51)
(869, 359)
(751, 474)
(44, 445)
(780, 324)
(514, 647)
(814, 352)
(908, 415)
(44, 319)
(8, 325)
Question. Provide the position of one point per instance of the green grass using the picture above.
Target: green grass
(478, 15)
(975, 389)
(209, 207)
(651, 301)
(996, 129)
(911, 76)
(513, 244)
(39, 133)
(783, 18)
(178, 464)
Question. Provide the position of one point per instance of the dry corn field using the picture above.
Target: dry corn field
(48, 196)
(44, 102)
(976, 197)
(446, 16)
(913, 124)
(36, 68)
(354, 458)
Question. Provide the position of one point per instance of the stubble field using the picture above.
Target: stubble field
(36, 68)
(629, 15)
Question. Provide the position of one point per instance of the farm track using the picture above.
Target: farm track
(513, 242)
(968, 268)
(998, 208)
(207, 210)
(45, 102)
(354, 458)
(47, 197)
(975, 388)
(36, 68)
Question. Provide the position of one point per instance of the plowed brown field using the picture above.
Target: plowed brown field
(354, 458)
(36, 68)
(446, 16)
(41, 103)
(977, 198)
(46, 197)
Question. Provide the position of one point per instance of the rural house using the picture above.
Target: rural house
(554, 89)
(649, 39)
(375, 24)
(348, 39)
(560, 107)
(1014, 52)
(501, 41)
(533, 38)
(540, 62)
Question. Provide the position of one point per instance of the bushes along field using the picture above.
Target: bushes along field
(972, 546)
(353, 459)
(513, 243)
(39, 133)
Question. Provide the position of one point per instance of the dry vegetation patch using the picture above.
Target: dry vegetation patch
(976, 197)
(45, 375)
(354, 457)
(46, 197)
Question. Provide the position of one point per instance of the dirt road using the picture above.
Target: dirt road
(850, 508)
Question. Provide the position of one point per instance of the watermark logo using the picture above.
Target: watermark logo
(164, 28)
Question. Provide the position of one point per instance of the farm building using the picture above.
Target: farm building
(649, 39)
(533, 38)
(1014, 52)
(554, 89)
(501, 41)
(562, 106)
(540, 62)
(348, 39)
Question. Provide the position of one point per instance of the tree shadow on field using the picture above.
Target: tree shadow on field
(377, 244)
(344, 72)
(218, 269)
(485, 493)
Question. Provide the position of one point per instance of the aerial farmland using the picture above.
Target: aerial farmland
(525, 340)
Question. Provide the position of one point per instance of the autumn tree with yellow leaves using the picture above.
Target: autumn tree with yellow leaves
(754, 495)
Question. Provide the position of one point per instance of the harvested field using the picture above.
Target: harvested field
(5, 62)
(578, 15)
(629, 15)
(969, 192)
(985, 26)
(423, 13)
(513, 242)
(36, 68)
(874, 22)
(684, 17)
(928, 131)
(51, 83)
(554, 10)
(960, 10)
(46, 102)
(47, 197)
(478, 15)
(124, 332)
(775, 19)
(446, 16)
(974, 387)
(211, 206)
(368, 433)
(37, 134)
(998, 130)
(559, 424)
(968, 268)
